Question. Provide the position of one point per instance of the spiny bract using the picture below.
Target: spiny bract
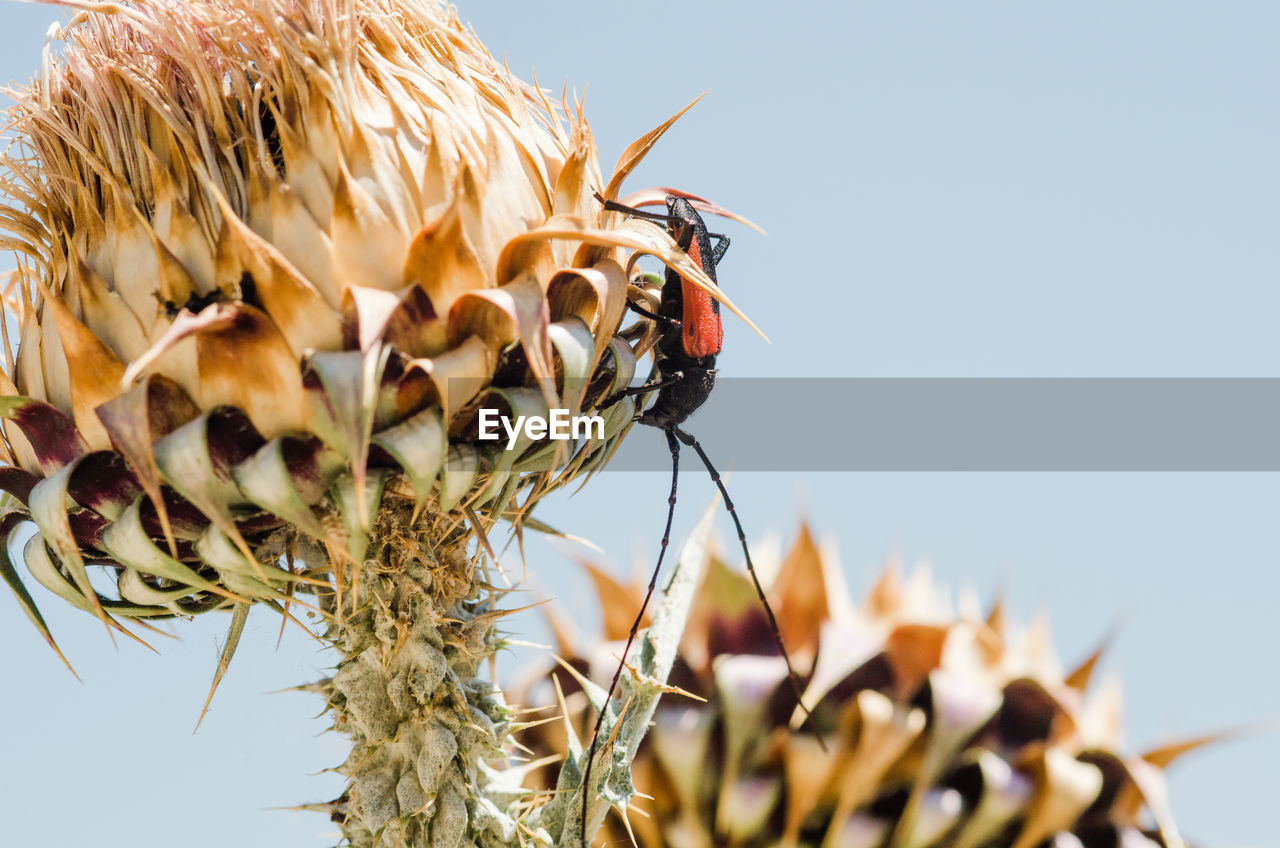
(929, 729)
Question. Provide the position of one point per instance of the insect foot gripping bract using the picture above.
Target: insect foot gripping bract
(272, 258)
(942, 729)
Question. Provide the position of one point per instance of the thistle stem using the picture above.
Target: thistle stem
(425, 725)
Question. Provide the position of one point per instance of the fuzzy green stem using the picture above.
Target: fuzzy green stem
(425, 725)
(429, 733)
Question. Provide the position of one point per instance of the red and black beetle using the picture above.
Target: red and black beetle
(692, 334)
(685, 358)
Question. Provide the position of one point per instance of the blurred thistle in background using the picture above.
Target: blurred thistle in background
(930, 725)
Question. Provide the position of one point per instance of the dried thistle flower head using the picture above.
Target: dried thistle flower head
(938, 728)
(273, 257)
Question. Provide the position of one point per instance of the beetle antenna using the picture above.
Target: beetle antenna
(615, 206)
(689, 440)
(635, 628)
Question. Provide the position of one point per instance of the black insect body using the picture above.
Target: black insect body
(193, 304)
(692, 333)
(691, 338)
(244, 291)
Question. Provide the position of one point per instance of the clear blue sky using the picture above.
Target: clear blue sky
(978, 189)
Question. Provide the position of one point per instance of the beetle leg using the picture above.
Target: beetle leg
(675, 377)
(721, 248)
(661, 319)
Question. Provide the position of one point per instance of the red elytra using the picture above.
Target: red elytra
(701, 332)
